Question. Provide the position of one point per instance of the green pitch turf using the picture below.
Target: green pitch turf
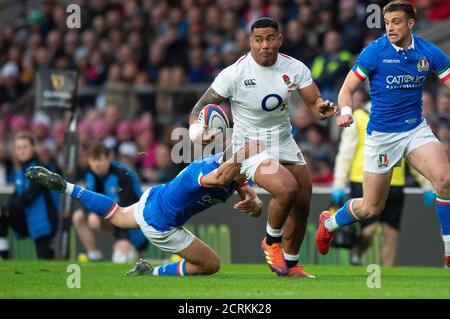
(105, 280)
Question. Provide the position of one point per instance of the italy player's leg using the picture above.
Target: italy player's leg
(200, 259)
(375, 193)
(98, 203)
(197, 259)
(432, 162)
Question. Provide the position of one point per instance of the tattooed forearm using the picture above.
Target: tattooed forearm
(210, 96)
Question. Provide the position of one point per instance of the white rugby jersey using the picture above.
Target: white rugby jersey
(261, 96)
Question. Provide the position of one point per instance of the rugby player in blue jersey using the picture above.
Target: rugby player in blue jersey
(162, 210)
(396, 65)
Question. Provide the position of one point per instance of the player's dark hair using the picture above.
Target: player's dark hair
(264, 22)
(400, 5)
(22, 135)
(97, 150)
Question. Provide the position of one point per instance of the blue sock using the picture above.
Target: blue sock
(98, 203)
(174, 269)
(345, 215)
(443, 213)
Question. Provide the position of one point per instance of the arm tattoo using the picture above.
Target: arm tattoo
(210, 96)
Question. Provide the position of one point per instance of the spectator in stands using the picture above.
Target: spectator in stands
(331, 66)
(165, 169)
(32, 210)
(352, 26)
(301, 121)
(443, 106)
(296, 44)
(10, 87)
(127, 153)
(119, 183)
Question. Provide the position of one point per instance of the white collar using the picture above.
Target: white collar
(411, 46)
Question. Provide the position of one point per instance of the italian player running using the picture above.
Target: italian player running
(396, 65)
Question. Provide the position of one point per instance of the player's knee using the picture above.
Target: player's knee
(442, 185)
(211, 266)
(287, 192)
(78, 218)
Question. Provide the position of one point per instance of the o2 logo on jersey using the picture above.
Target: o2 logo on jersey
(271, 102)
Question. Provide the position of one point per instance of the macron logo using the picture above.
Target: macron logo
(391, 61)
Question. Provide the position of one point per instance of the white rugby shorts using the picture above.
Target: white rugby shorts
(384, 151)
(173, 240)
(285, 152)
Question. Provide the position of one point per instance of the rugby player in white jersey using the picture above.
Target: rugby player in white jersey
(259, 86)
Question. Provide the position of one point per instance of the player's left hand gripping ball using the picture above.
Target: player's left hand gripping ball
(326, 110)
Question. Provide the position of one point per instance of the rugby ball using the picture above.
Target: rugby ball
(213, 117)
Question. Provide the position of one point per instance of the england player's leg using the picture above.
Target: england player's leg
(431, 161)
(295, 226)
(269, 174)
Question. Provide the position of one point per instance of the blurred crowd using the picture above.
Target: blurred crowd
(137, 56)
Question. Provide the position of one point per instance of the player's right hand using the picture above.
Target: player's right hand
(344, 120)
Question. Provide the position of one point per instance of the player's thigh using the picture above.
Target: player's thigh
(376, 190)
(431, 161)
(199, 253)
(303, 179)
(275, 178)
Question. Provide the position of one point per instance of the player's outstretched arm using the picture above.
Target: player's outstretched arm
(345, 119)
(249, 203)
(230, 170)
(321, 109)
(196, 131)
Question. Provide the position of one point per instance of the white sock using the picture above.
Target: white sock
(4, 244)
(155, 271)
(274, 232)
(69, 188)
(331, 223)
(446, 239)
(95, 255)
(290, 257)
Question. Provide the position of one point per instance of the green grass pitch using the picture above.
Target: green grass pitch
(19, 279)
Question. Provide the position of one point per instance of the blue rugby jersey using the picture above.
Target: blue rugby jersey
(172, 204)
(397, 79)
